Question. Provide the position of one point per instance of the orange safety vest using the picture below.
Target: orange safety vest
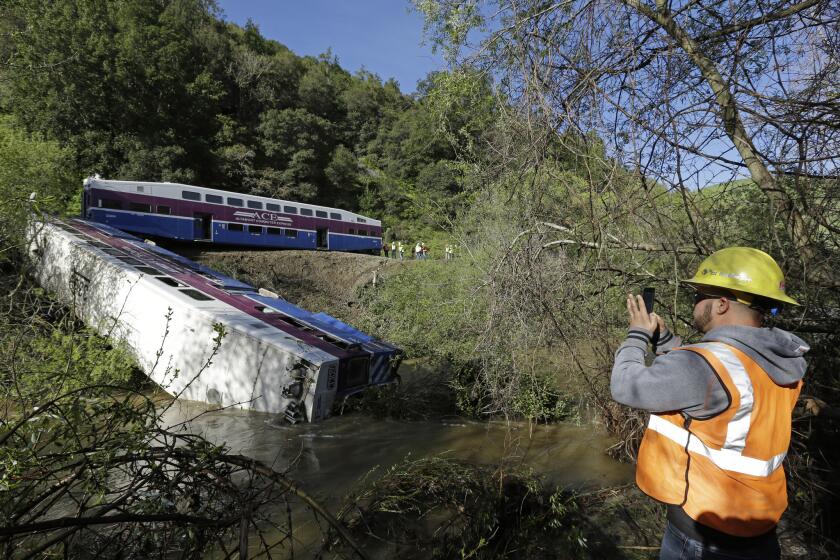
(725, 471)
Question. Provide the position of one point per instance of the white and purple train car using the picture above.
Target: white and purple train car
(274, 357)
(186, 212)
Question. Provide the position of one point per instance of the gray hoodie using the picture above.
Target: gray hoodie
(685, 381)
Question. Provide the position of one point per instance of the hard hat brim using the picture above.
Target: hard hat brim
(778, 296)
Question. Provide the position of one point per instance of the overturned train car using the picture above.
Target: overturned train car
(272, 356)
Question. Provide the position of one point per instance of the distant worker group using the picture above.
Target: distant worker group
(420, 251)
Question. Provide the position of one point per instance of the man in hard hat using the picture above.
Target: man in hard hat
(714, 447)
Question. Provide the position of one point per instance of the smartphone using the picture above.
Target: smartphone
(647, 295)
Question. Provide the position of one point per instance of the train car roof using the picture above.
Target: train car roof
(224, 281)
(216, 309)
(339, 333)
(321, 320)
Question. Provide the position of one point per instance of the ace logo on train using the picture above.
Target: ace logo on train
(262, 217)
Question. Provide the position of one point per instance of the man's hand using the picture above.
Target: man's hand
(640, 318)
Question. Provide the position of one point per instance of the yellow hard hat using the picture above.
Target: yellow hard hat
(745, 271)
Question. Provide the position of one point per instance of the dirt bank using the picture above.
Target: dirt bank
(314, 280)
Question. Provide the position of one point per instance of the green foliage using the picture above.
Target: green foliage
(450, 23)
(29, 165)
(539, 399)
(423, 310)
(465, 107)
(78, 359)
(737, 215)
(43, 351)
(167, 91)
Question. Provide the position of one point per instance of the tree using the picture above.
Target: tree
(685, 94)
(637, 136)
(168, 91)
(342, 172)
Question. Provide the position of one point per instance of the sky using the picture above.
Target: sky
(381, 36)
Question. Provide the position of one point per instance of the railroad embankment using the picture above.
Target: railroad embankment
(315, 280)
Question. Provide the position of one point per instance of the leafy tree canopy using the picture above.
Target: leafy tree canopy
(169, 91)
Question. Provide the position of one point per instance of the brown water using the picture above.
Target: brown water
(329, 458)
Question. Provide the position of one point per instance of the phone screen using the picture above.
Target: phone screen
(647, 295)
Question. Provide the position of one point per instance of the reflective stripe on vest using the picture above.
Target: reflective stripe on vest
(726, 459)
(729, 457)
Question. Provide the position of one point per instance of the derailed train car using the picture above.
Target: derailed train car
(273, 356)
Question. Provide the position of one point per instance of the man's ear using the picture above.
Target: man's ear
(722, 305)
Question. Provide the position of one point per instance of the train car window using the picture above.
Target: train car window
(235, 227)
(274, 231)
(290, 210)
(305, 212)
(190, 195)
(351, 231)
(110, 203)
(362, 232)
(356, 373)
(294, 323)
(255, 229)
(195, 294)
(168, 281)
(130, 260)
(320, 213)
(140, 188)
(272, 207)
(214, 198)
(139, 207)
(291, 233)
(164, 210)
(234, 201)
(361, 220)
(149, 270)
(255, 204)
(335, 216)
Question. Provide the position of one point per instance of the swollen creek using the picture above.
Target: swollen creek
(330, 458)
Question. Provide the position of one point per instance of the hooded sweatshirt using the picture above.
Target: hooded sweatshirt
(685, 381)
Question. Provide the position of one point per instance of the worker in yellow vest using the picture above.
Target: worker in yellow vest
(721, 409)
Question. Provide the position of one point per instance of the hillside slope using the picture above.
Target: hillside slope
(314, 280)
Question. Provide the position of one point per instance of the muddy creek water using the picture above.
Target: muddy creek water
(329, 458)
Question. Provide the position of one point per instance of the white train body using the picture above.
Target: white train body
(172, 333)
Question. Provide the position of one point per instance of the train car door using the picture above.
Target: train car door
(322, 238)
(203, 226)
